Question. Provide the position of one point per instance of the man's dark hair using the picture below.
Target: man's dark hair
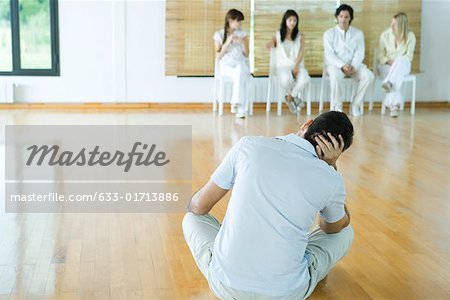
(335, 122)
(347, 8)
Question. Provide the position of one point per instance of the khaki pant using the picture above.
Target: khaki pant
(323, 252)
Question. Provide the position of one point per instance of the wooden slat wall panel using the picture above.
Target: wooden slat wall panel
(315, 17)
(190, 26)
(373, 17)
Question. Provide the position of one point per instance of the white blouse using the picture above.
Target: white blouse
(343, 47)
(389, 51)
(235, 51)
(287, 51)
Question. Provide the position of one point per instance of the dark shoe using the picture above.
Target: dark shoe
(387, 86)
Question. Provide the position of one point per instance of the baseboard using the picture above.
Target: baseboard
(177, 106)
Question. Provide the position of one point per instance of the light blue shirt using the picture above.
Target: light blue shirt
(279, 185)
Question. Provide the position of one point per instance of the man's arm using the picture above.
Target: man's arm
(330, 55)
(299, 59)
(221, 181)
(245, 46)
(330, 152)
(205, 198)
(359, 53)
(336, 226)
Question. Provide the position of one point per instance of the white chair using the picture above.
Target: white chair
(347, 80)
(408, 78)
(274, 89)
(220, 83)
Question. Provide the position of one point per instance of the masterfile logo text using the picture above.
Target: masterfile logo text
(54, 156)
(100, 168)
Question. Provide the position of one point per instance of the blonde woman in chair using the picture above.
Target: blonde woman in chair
(289, 44)
(395, 55)
(231, 48)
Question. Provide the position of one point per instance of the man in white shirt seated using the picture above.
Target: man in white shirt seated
(344, 55)
(264, 248)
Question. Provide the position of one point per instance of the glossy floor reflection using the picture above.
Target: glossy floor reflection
(397, 180)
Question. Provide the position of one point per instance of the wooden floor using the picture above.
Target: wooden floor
(397, 176)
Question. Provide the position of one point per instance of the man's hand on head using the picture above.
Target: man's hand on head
(329, 151)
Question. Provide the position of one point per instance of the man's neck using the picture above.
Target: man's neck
(344, 29)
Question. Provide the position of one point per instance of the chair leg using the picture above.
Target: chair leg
(308, 99)
(352, 85)
(322, 87)
(279, 102)
(413, 98)
(215, 95)
(362, 107)
(221, 96)
(402, 103)
(372, 96)
(252, 97)
(276, 92)
(383, 107)
(269, 91)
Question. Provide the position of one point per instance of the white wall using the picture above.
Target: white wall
(85, 39)
(113, 51)
(435, 51)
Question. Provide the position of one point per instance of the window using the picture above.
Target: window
(29, 37)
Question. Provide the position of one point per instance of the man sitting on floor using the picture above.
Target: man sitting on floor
(263, 249)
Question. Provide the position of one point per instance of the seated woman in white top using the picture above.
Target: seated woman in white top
(395, 57)
(231, 48)
(293, 76)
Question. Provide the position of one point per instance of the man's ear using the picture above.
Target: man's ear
(305, 126)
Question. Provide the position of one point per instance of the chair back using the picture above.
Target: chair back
(324, 66)
(216, 68)
(273, 62)
(375, 62)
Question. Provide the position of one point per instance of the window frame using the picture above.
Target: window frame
(15, 39)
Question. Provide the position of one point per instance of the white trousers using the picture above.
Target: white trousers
(292, 85)
(239, 73)
(363, 76)
(395, 74)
